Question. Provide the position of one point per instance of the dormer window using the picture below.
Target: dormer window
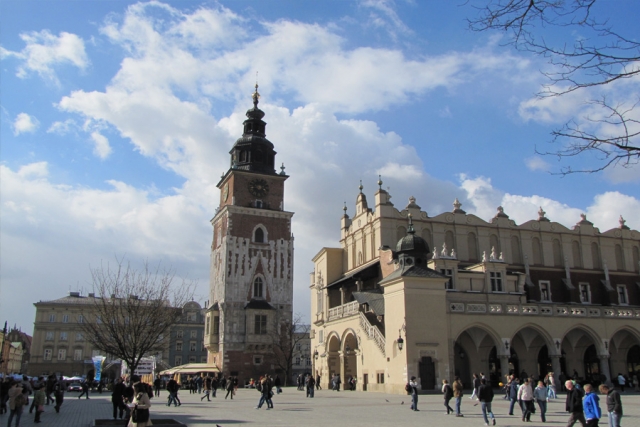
(258, 286)
(495, 278)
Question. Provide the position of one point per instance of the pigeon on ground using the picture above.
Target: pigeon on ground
(402, 403)
(386, 400)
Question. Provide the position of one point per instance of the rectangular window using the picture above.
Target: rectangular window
(179, 346)
(48, 336)
(297, 361)
(308, 361)
(319, 302)
(81, 319)
(216, 325)
(192, 359)
(179, 334)
(65, 318)
(79, 336)
(260, 324)
(298, 346)
(63, 336)
(203, 359)
(380, 377)
(257, 360)
(320, 336)
(623, 298)
(449, 273)
(62, 354)
(496, 281)
(192, 346)
(206, 325)
(545, 290)
(52, 318)
(178, 360)
(77, 354)
(194, 334)
(48, 353)
(585, 293)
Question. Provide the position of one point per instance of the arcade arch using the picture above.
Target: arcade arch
(471, 352)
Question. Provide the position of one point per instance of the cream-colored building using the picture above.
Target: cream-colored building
(408, 294)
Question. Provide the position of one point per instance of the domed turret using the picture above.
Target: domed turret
(412, 249)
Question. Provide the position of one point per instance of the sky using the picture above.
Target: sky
(117, 119)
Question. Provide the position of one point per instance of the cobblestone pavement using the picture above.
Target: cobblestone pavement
(328, 408)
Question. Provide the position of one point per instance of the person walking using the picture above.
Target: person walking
(525, 395)
(141, 405)
(591, 406)
(229, 388)
(263, 388)
(85, 389)
(414, 394)
(457, 393)
(447, 392)
(614, 404)
(513, 393)
(117, 399)
(207, 389)
(39, 397)
(157, 385)
(573, 405)
(475, 381)
(311, 386)
(551, 385)
(318, 387)
(58, 393)
(485, 396)
(277, 383)
(4, 394)
(622, 381)
(540, 395)
(17, 402)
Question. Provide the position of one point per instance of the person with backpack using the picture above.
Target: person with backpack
(412, 389)
(17, 402)
(573, 405)
(485, 396)
(447, 392)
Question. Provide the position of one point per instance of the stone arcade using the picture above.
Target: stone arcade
(408, 294)
(251, 277)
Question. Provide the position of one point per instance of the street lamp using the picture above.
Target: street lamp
(400, 342)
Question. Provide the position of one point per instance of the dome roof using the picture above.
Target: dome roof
(411, 242)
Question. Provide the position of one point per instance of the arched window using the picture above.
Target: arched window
(577, 254)
(495, 244)
(595, 255)
(516, 253)
(537, 251)
(449, 240)
(426, 235)
(557, 253)
(258, 288)
(472, 243)
(258, 236)
(374, 252)
(364, 247)
(360, 260)
(619, 258)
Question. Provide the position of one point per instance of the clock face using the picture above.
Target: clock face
(259, 187)
(225, 192)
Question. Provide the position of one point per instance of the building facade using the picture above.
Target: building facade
(15, 350)
(187, 337)
(436, 297)
(251, 276)
(59, 344)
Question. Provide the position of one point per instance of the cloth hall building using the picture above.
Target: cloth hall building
(450, 295)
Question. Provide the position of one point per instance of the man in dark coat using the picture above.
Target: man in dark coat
(574, 405)
(485, 396)
(513, 393)
(157, 385)
(117, 399)
(58, 393)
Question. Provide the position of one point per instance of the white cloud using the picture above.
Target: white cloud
(101, 148)
(400, 172)
(537, 163)
(25, 123)
(63, 128)
(44, 50)
(383, 15)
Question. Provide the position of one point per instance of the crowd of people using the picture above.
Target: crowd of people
(582, 402)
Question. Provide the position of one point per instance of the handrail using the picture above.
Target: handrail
(373, 333)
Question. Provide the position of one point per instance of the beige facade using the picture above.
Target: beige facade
(493, 297)
(59, 345)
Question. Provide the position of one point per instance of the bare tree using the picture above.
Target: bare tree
(600, 57)
(285, 339)
(133, 310)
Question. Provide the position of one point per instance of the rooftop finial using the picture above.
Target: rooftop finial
(344, 208)
(360, 187)
(411, 230)
(282, 172)
(379, 182)
(256, 95)
(622, 223)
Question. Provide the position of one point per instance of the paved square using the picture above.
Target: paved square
(328, 408)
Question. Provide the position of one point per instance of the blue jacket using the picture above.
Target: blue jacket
(591, 406)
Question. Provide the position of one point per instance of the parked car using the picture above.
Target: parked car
(74, 387)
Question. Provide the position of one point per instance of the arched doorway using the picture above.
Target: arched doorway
(333, 359)
(544, 362)
(461, 363)
(471, 353)
(350, 358)
(580, 355)
(592, 366)
(633, 360)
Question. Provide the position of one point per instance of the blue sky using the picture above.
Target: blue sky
(117, 119)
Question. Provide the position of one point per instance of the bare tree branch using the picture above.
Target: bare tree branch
(133, 310)
(285, 339)
(601, 57)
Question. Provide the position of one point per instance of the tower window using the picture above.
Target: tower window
(585, 293)
(545, 290)
(258, 234)
(496, 281)
(258, 288)
(260, 324)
